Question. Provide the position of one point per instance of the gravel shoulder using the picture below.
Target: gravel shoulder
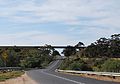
(24, 79)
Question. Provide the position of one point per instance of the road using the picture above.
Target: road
(49, 76)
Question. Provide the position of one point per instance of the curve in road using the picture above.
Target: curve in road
(49, 76)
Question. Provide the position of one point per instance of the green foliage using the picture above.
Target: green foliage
(104, 47)
(65, 64)
(68, 51)
(55, 52)
(26, 57)
(75, 65)
(36, 58)
(111, 65)
(17, 50)
(1, 63)
(30, 62)
(100, 50)
(97, 63)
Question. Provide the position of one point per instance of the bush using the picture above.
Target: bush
(65, 64)
(75, 65)
(1, 63)
(111, 66)
(80, 66)
(97, 64)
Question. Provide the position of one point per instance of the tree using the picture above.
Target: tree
(104, 47)
(68, 51)
(4, 55)
(1, 63)
(115, 45)
(25, 57)
(115, 37)
(80, 44)
(55, 52)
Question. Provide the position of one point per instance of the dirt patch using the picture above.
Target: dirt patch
(24, 79)
(105, 78)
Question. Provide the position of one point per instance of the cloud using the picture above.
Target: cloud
(71, 12)
(33, 38)
(83, 18)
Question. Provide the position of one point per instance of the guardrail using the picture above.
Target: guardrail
(91, 73)
(10, 68)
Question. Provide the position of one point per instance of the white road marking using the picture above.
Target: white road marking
(53, 65)
(62, 78)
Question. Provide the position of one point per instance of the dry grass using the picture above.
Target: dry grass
(24, 79)
(7, 75)
(105, 78)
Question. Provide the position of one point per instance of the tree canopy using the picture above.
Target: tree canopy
(104, 47)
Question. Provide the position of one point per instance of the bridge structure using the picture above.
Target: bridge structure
(59, 47)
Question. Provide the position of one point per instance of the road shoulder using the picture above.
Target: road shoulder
(24, 79)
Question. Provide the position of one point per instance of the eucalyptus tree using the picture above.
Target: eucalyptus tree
(68, 51)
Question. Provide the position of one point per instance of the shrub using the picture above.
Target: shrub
(1, 63)
(111, 65)
(65, 64)
(76, 66)
(97, 64)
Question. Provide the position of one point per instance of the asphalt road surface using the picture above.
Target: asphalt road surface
(49, 76)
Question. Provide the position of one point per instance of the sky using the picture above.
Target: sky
(57, 22)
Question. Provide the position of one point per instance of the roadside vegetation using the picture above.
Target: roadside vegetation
(7, 75)
(102, 55)
(27, 57)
